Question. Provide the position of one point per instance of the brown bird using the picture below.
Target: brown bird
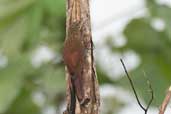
(74, 55)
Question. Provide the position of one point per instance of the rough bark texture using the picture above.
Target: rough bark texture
(78, 57)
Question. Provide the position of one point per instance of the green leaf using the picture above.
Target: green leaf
(11, 80)
(12, 36)
(24, 104)
(142, 37)
(162, 12)
(53, 32)
(35, 18)
(53, 79)
(55, 7)
(20, 31)
(9, 10)
(152, 6)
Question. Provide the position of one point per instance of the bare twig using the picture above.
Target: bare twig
(165, 101)
(151, 91)
(135, 93)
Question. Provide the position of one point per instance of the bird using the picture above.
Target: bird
(73, 56)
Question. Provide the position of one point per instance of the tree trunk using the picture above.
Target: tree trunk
(82, 85)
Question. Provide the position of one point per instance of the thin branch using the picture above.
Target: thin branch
(165, 102)
(135, 93)
(151, 91)
(132, 85)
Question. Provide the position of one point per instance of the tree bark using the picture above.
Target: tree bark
(165, 101)
(81, 78)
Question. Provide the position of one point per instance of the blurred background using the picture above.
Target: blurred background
(32, 32)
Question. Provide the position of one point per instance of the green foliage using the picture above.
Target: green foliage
(23, 104)
(142, 37)
(24, 26)
(153, 48)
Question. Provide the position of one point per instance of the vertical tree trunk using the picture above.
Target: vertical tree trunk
(82, 83)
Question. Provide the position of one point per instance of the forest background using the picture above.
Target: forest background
(32, 33)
